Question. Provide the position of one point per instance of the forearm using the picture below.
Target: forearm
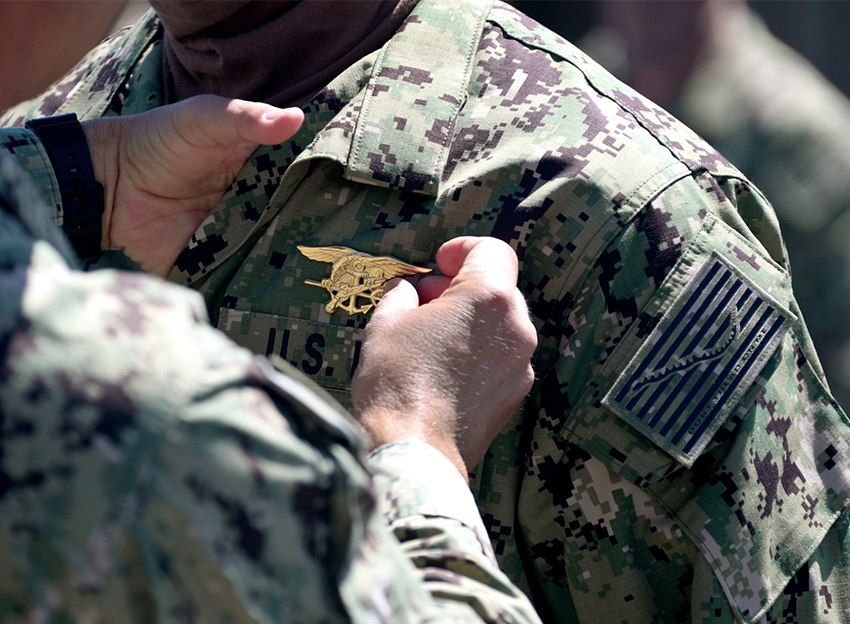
(428, 506)
(25, 148)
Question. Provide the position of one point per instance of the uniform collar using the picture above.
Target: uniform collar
(404, 118)
(396, 132)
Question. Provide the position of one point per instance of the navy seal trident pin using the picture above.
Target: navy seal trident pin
(356, 275)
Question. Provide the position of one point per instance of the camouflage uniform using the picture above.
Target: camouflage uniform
(680, 457)
(151, 470)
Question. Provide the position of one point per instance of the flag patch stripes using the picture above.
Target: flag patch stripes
(689, 375)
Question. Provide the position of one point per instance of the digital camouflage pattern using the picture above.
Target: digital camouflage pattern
(151, 470)
(652, 267)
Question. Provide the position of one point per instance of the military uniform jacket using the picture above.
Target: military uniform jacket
(680, 457)
(153, 471)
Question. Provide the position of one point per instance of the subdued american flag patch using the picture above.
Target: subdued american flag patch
(704, 354)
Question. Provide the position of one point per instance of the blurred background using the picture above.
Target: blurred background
(133, 10)
(814, 28)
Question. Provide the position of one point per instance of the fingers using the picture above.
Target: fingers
(452, 253)
(209, 121)
(488, 267)
(432, 287)
(484, 259)
(399, 297)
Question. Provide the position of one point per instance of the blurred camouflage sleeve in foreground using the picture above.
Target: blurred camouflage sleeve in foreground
(152, 470)
(432, 512)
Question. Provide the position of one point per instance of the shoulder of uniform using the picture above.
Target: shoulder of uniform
(99, 70)
(519, 26)
(673, 135)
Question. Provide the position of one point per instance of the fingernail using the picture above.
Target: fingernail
(272, 113)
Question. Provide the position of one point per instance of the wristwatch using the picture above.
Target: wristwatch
(82, 195)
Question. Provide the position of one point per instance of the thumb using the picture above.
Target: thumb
(210, 121)
(399, 298)
(483, 261)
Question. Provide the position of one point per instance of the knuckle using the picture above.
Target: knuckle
(528, 380)
(497, 245)
(528, 336)
(497, 296)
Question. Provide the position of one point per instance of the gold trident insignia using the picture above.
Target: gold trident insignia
(355, 274)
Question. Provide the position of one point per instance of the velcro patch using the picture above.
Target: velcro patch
(690, 374)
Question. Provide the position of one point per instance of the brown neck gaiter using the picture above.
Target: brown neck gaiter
(275, 51)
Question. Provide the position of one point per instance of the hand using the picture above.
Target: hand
(448, 364)
(163, 171)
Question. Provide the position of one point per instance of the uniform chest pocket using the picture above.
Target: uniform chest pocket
(327, 353)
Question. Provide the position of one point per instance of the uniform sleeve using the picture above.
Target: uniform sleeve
(431, 510)
(27, 151)
(700, 428)
(274, 513)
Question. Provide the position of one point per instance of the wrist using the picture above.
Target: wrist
(81, 194)
(103, 138)
(386, 426)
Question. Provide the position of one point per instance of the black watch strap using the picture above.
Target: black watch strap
(82, 196)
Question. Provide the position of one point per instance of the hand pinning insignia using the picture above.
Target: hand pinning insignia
(355, 275)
